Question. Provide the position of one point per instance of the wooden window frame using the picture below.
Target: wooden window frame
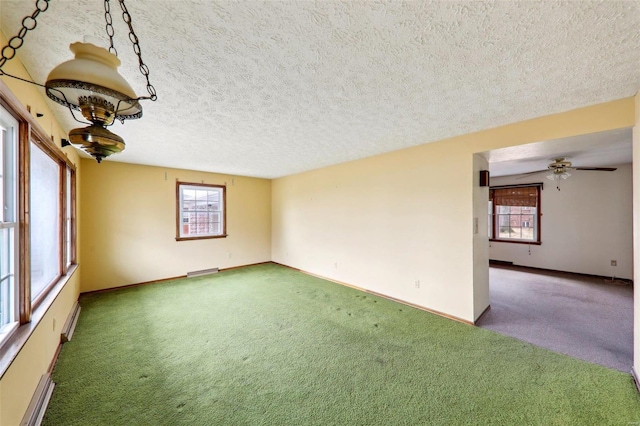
(178, 215)
(70, 259)
(31, 132)
(538, 216)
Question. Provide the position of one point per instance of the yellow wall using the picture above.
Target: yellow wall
(385, 222)
(20, 380)
(129, 224)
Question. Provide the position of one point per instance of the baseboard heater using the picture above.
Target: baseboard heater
(70, 326)
(38, 405)
(202, 272)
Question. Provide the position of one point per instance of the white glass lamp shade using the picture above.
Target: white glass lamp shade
(91, 83)
(559, 174)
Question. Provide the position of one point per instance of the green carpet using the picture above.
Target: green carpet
(266, 345)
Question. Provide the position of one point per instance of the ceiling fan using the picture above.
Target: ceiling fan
(559, 168)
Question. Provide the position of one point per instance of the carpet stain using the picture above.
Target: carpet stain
(284, 326)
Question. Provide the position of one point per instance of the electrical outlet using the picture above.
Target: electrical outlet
(417, 283)
(614, 263)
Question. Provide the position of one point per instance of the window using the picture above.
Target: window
(69, 218)
(45, 221)
(8, 224)
(200, 211)
(37, 221)
(514, 213)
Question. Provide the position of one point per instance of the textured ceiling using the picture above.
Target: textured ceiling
(266, 88)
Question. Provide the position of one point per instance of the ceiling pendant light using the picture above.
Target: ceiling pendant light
(90, 83)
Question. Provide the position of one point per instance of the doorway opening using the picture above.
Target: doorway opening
(571, 293)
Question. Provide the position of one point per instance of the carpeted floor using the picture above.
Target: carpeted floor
(266, 345)
(585, 317)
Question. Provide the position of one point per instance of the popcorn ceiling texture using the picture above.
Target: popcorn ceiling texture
(267, 89)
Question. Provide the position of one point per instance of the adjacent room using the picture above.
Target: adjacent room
(279, 212)
(561, 247)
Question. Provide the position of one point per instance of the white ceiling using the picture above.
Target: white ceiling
(267, 89)
(603, 149)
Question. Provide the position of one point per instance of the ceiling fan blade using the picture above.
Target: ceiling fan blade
(598, 169)
(524, 175)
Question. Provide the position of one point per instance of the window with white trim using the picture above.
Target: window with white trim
(8, 224)
(200, 211)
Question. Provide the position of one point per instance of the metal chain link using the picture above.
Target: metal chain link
(144, 69)
(28, 24)
(109, 27)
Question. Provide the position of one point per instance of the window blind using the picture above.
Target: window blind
(523, 196)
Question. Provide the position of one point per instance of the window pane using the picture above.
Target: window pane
(188, 194)
(45, 227)
(7, 277)
(490, 219)
(201, 197)
(8, 223)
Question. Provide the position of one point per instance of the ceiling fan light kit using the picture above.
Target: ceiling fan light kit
(559, 174)
(559, 169)
(90, 83)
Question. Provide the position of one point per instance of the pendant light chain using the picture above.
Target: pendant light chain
(109, 27)
(144, 69)
(28, 23)
(102, 97)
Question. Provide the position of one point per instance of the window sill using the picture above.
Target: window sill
(14, 344)
(533, 243)
(206, 237)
